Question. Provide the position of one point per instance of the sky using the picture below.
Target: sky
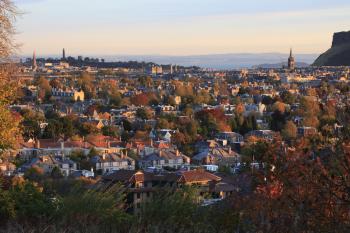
(179, 27)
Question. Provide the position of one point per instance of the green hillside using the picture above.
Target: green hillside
(336, 56)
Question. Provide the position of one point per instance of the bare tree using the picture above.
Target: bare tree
(9, 122)
(8, 14)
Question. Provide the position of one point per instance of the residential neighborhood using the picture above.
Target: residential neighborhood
(174, 116)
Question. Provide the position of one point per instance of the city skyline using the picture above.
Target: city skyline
(178, 28)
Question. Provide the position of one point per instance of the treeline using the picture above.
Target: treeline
(74, 206)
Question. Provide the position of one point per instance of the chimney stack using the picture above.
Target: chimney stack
(177, 153)
(62, 149)
(103, 156)
(138, 151)
(37, 144)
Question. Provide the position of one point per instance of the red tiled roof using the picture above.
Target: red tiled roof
(197, 176)
(161, 145)
(101, 140)
(120, 176)
(49, 143)
(77, 144)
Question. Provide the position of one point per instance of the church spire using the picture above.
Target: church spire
(291, 61)
(34, 65)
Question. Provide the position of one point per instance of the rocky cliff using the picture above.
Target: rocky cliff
(341, 38)
(339, 54)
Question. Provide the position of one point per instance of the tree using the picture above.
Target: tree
(93, 152)
(140, 99)
(159, 214)
(44, 88)
(111, 131)
(56, 173)
(278, 121)
(9, 130)
(54, 83)
(290, 130)
(309, 106)
(144, 113)
(7, 206)
(34, 174)
(88, 128)
(188, 111)
(311, 92)
(163, 124)
(267, 100)
(31, 123)
(279, 106)
(68, 128)
(115, 98)
(30, 201)
(288, 97)
(311, 121)
(54, 129)
(86, 83)
(101, 210)
(8, 16)
(239, 109)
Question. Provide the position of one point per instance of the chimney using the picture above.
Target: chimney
(122, 155)
(229, 150)
(108, 144)
(138, 151)
(177, 153)
(151, 142)
(37, 144)
(160, 153)
(62, 149)
(103, 156)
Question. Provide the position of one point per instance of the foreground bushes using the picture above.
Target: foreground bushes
(27, 207)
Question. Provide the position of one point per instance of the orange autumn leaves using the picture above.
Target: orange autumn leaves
(214, 119)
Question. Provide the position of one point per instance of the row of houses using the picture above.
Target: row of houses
(112, 153)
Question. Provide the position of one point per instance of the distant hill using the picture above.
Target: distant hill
(338, 54)
(281, 65)
(214, 61)
(218, 61)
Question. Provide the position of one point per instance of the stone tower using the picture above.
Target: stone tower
(291, 61)
(64, 54)
(34, 65)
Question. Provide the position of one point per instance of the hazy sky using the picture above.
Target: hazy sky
(179, 27)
